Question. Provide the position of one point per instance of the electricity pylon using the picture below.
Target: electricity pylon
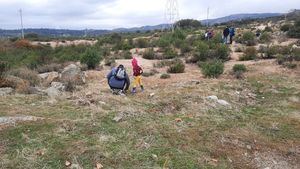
(21, 16)
(171, 13)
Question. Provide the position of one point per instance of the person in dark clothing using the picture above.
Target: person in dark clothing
(231, 34)
(118, 80)
(225, 35)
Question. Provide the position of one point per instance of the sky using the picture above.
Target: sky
(111, 14)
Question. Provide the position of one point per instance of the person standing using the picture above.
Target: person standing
(225, 35)
(231, 34)
(137, 72)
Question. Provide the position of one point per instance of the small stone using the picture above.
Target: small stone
(223, 103)
(119, 117)
(214, 98)
(154, 157)
(6, 91)
(68, 163)
(152, 94)
(249, 147)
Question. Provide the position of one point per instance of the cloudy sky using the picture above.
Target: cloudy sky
(110, 14)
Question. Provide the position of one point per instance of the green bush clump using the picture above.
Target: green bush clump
(201, 52)
(185, 48)
(177, 67)
(268, 29)
(249, 54)
(91, 58)
(239, 68)
(265, 37)
(170, 53)
(294, 31)
(165, 76)
(141, 43)
(248, 38)
(149, 54)
(285, 27)
(212, 69)
(221, 52)
(127, 55)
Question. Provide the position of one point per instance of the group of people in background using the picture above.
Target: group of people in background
(119, 81)
(228, 34)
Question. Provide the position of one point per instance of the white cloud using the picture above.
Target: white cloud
(107, 14)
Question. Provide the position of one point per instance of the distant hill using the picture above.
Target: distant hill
(81, 33)
(239, 17)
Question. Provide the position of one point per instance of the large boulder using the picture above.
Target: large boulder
(6, 91)
(59, 86)
(73, 74)
(53, 92)
(49, 77)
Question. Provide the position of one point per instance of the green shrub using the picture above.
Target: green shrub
(265, 37)
(149, 54)
(290, 65)
(271, 52)
(201, 52)
(249, 54)
(221, 52)
(53, 67)
(239, 68)
(248, 38)
(152, 72)
(294, 31)
(239, 49)
(296, 54)
(141, 43)
(91, 58)
(127, 55)
(268, 29)
(177, 67)
(185, 48)
(165, 76)
(285, 27)
(170, 53)
(164, 63)
(212, 69)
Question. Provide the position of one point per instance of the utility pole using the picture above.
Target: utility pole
(21, 16)
(207, 17)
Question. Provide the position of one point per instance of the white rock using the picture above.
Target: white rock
(223, 103)
(59, 86)
(53, 92)
(6, 91)
(152, 94)
(214, 98)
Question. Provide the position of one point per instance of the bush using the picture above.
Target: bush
(26, 74)
(165, 76)
(110, 62)
(294, 31)
(270, 52)
(249, 54)
(53, 67)
(239, 68)
(91, 58)
(212, 69)
(152, 72)
(248, 38)
(290, 65)
(126, 55)
(141, 43)
(170, 53)
(164, 63)
(268, 29)
(185, 48)
(149, 54)
(177, 67)
(188, 24)
(201, 52)
(239, 49)
(285, 27)
(265, 37)
(221, 52)
(280, 59)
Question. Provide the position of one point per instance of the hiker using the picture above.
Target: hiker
(137, 72)
(231, 34)
(225, 35)
(118, 80)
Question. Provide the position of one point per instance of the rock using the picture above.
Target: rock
(223, 103)
(152, 94)
(36, 90)
(154, 157)
(249, 147)
(52, 76)
(6, 91)
(214, 98)
(119, 117)
(59, 86)
(72, 73)
(44, 75)
(53, 92)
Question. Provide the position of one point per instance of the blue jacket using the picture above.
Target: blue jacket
(231, 31)
(115, 83)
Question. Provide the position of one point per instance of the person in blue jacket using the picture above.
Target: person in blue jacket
(118, 80)
(231, 34)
